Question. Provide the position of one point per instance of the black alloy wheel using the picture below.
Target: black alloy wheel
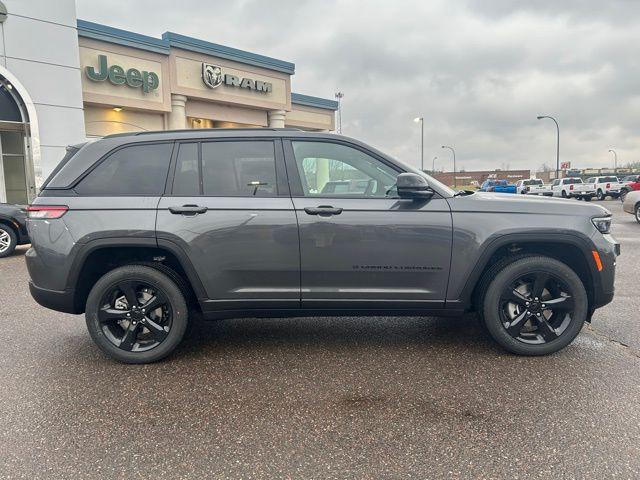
(536, 308)
(136, 314)
(535, 305)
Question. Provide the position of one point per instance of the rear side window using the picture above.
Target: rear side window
(533, 182)
(610, 179)
(132, 170)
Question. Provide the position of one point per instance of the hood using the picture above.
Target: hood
(513, 203)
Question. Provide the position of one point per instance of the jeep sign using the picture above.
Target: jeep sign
(213, 77)
(116, 75)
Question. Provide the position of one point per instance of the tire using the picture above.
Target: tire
(638, 213)
(563, 194)
(601, 196)
(541, 333)
(587, 198)
(8, 241)
(144, 337)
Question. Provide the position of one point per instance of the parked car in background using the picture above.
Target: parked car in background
(631, 204)
(604, 187)
(497, 186)
(630, 179)
(572, 187)
(532, 186)
(630, 183)
(139, 230)
(13, 230)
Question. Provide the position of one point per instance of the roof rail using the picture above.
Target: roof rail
(192, 130)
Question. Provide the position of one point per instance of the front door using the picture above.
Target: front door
(361, 246)
(228, 209)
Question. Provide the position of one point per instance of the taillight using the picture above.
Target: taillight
(608, 186)
(46, 211)
(570, 187)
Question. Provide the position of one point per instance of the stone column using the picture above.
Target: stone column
(178, 114)
(276, 118)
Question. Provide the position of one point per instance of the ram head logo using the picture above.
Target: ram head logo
(211, 75)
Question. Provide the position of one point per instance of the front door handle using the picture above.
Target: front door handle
(188, 210)
(323, 210)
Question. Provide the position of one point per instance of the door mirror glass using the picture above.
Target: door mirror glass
(412, 185)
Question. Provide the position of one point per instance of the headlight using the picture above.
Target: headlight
(603, 224)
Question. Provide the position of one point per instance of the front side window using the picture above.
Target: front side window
(334, 170)
(131, 170)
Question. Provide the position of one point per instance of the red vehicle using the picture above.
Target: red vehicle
(630, 183)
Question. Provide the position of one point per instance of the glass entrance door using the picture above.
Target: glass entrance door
(13, 175)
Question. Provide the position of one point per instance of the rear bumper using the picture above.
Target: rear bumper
(53, 299)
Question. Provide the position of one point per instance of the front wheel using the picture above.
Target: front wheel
(535, 306)
(136, 314)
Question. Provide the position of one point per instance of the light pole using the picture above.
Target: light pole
(339, 96)
(421, 121)
(540, 117)
(433, 166)
(615, 160)
(454, 163)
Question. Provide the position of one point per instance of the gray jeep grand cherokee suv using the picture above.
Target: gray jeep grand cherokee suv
(139, 230)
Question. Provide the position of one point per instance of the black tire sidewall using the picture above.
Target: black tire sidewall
(13, 239)
(638, 213)
(508, 275)
(155, 278)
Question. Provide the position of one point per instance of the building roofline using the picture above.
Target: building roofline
(163, 45)
(309, 101)
(208, 48)
(118, 36)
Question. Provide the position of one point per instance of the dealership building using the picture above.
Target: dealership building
(63, 80)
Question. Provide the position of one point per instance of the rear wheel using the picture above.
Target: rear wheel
(136, 314)
(601, 196)
(535, 306)
(587, 198)
(638, 213)
(564, 194)
(8, 241)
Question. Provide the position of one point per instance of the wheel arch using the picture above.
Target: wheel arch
(574, 249)
(101, 256)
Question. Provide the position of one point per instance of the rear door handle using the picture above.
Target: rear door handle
(188, 210)
(323, 210)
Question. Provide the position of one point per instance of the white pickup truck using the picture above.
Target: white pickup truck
(572, 187)
(605, 186)
(532, 186)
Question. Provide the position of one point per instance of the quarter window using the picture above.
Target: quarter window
(330, 169)
(132, 170)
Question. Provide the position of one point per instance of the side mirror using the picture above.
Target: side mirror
(412, 185)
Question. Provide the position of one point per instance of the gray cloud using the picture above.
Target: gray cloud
(479, 71)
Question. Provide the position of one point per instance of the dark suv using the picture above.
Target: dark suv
(139, 230)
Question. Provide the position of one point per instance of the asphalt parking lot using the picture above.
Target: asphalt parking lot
(322, 398)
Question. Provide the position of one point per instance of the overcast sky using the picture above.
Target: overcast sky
(479, 71)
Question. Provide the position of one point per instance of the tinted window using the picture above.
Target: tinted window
(133, 170)
(186, 181)
(333, 169)
(610, 179)
(533, 182)
(238, 169)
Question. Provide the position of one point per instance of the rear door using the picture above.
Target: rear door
(229, 210)
(364, 248)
